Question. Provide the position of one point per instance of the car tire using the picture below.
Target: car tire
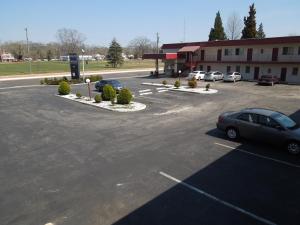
(293, 147)
(232, 133)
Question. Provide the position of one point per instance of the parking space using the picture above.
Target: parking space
(65, 163)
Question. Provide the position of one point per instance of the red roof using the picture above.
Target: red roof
(265, 41)
(189, 49)
(160, 56)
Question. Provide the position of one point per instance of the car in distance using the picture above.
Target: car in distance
(114, 83)
(262, 125)
(199, 75)
(232, 77)
(213, 76)
(268, 80)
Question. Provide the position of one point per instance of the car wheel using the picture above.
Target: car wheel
(293, 147)
(232, 133)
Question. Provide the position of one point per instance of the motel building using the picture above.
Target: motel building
(279, 56)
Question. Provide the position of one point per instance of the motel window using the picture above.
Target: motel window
(228, 69)
(237, 51)
(238, 69)
(269, 70)
(295, 71)
(262, 51)
(247, 69)
(287, 51)
(208, 68)
(228, 52)
(201, 67)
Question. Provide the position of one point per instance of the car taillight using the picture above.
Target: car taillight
(220, 119)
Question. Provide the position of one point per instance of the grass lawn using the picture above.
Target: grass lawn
(56, 67)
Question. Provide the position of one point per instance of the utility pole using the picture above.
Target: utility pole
(28, 55)
(157, 51)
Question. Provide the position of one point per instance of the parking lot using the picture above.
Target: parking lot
(62, 162)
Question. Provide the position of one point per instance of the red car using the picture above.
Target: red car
(268, 80)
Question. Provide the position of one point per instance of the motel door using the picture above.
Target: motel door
(249, 54)
(283, 74)
(219, 56)
(275, 54)
(256, 73)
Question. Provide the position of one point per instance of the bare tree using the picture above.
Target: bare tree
(139, 46)
(71, 40)
(234, 26)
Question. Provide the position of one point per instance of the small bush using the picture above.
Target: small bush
(78, 95)
(192, 83)
(108, 93)
(164, 82)
(65, 79)
(177, 84)
(64, 88)
(124, 96)
(97, 98)
(207, 87)
(95, 78)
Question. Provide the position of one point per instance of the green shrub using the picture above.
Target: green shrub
(65, 79)
(192, 83)
(207, 87)
(78, 95)
(124, 96)
(108, 93)
(177, 84)
(64, 88)
(97, 98)
(164, 82)
(95, 78)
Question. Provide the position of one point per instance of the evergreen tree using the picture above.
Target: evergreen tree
(260, 32)
(217, 33)
(249, 30)
(115, 54)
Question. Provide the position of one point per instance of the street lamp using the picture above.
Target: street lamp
(82, 50)
(88, 81)
(179, 72)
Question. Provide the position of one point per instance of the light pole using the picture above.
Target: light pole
(28, 55)
(88, 81)
(179, 72)
(82, 50)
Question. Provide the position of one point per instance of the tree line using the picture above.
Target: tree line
(234, 29)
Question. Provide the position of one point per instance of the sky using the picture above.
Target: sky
(100, 21)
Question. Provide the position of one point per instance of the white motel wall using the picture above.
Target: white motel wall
(252, 57)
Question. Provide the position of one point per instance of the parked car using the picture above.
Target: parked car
(268, 80)
(213, 76)
(114, 83)
(262, 125)
(199, 75)
(232, 76)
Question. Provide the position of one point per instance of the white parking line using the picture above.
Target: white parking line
(16, 87)
(260, 156)
(145, 90)
(217, 199)
(146, 93)
(162, 91)
(161, 88)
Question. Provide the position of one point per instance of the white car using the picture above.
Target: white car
(213, 76)
(199, 75)
(233, 76)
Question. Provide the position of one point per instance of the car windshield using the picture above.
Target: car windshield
(285, 121)
(114, 82)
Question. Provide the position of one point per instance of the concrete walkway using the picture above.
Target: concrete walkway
(67, 74)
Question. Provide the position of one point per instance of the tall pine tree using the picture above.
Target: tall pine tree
(260, 32)
(249, 30)
(217, 33)
(115, 54)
